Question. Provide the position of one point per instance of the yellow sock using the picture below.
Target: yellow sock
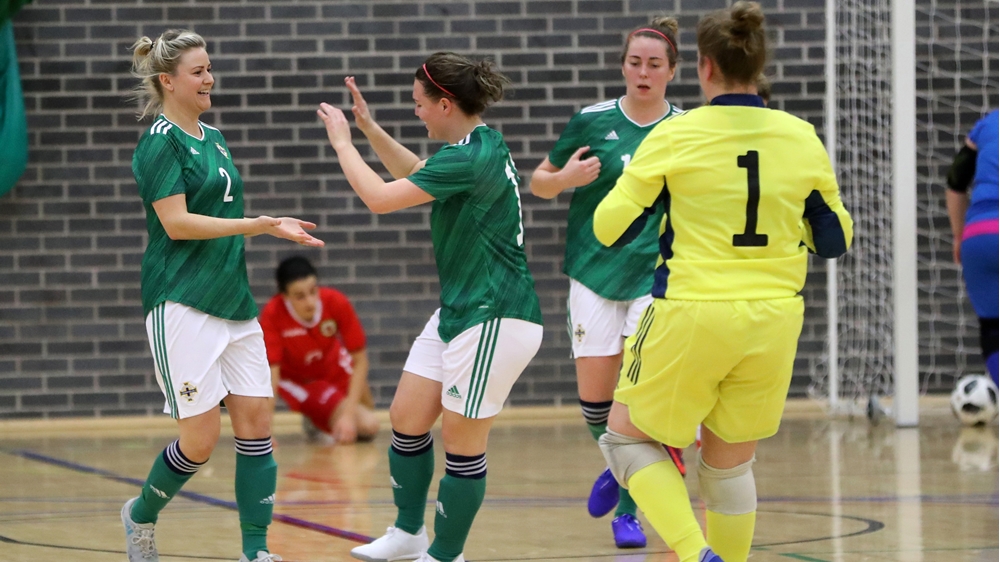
(730, 536)
(659, 490)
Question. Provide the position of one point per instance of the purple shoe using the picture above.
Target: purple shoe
(628, 532)
(604, 495)
(708, 556)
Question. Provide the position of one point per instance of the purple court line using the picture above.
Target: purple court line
(193, 496)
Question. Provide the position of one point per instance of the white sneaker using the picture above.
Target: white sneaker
(261, 557)
(428, 558)
(396, 544)
(140, 545)
(316, 435)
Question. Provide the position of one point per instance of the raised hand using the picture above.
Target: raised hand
(581, 172)
(338, 130)
(360, 108)
(295, 230)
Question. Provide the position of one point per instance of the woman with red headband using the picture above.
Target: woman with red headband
(489, 325)
(610, 287)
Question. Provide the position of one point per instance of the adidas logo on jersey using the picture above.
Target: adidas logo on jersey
(611, 136)
(269, 500)
(395, 485)
(159, 492)
(454, 393)
(195, 152)
(440, 509)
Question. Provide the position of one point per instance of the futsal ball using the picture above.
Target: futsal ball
(974, 400)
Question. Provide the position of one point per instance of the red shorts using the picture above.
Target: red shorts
(316, 400)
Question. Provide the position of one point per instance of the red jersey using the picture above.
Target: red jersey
(316, 350)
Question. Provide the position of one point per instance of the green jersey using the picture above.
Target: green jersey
(477, 233)
(208, 275)
(619, 274)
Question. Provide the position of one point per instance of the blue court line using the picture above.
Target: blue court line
(193, 496)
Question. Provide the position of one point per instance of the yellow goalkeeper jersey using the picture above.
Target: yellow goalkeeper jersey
(747, 193)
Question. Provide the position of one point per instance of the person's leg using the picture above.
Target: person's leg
(726, 481)
(415, 408)
(480, 366)
(256, 470)
(178, 462)
(251, 406)
(185, 344)
(749, 408)
(597, 326)
(646, 469)
(982, 281)
(461, 490)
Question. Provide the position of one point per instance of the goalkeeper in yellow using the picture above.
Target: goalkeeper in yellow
(747, 192)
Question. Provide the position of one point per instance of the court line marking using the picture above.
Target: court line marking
(802, 557)
(193, 496)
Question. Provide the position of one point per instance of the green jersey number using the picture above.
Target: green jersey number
(229, 185)
(511, 172)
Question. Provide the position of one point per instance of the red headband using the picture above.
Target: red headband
(651, 30)
(440, 87)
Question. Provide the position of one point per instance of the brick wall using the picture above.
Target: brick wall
(72, 340)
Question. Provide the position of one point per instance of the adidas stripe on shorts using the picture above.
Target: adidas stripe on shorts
(199, 359)
(478, 367)
(597, 325)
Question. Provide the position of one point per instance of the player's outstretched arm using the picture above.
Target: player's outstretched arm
(377, 195)
(548, 181)
(399, 160)
(179, 224)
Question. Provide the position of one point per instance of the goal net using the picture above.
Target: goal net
(956, 53)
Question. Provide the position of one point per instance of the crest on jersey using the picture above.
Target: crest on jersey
(328, 328)
(188, 391)
(222, 150)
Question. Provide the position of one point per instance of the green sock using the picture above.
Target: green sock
(256, 481)
(411, 467)
(625, 503)
(170, 471)
(458, 501)
(597, 429)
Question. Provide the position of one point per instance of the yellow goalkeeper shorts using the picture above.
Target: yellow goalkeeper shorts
(724, 364)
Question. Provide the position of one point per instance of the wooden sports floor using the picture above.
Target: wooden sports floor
(830, 490)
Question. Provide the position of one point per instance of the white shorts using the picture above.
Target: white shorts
(597, 326)
(200, 359)
(478, 367)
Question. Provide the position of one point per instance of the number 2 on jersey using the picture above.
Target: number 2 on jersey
(229, 184)
(511, 172)
(751, 161)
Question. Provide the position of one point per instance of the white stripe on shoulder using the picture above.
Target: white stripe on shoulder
(598, 107)
(203, 124)
(466, 140)
(167, 128)
(156, 126)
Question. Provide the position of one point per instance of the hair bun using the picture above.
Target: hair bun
(143, 46)
(747, 18)
(666, 24)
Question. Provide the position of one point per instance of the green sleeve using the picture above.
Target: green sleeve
(447, 173)
(572, 138)
(157, 168)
